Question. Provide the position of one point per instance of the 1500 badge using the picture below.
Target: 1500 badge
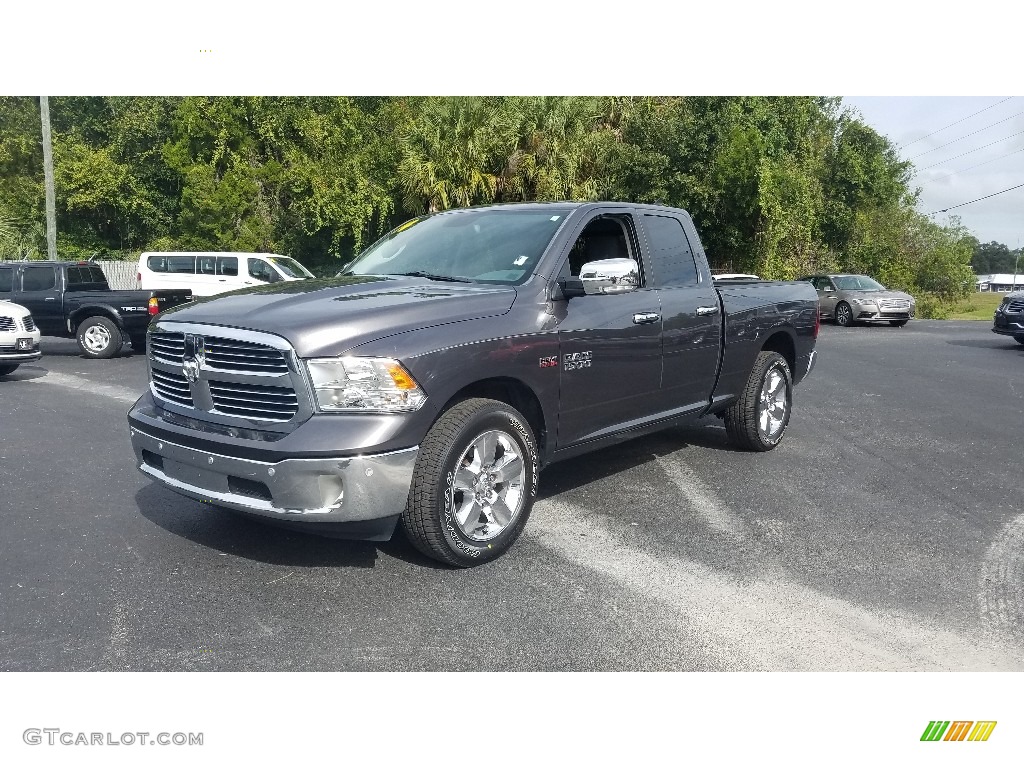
(575, 360)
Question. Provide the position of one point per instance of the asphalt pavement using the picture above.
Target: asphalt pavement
(885, 533)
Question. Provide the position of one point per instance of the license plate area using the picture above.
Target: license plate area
(23, 345)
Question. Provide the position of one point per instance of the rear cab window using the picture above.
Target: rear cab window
(672, 260)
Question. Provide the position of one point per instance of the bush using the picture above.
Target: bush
(932, 307)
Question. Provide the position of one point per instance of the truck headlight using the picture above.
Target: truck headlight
(363, 384)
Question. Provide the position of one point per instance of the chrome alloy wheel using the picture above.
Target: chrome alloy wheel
(96, 338)
(844, 315)
(488, 484)
(772, 405)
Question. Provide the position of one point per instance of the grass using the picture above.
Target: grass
(978, 306)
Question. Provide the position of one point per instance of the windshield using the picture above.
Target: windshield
(488, 246)
(290, 267)
(857, 283)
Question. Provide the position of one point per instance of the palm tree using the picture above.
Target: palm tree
(446, 156)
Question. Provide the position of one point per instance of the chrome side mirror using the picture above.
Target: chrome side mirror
(610, 276)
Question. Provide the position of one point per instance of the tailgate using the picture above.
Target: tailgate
(171, 298)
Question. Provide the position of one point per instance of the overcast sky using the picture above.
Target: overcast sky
(963, 148)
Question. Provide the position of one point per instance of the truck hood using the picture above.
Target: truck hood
(330, 317)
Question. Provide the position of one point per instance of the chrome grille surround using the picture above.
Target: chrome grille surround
(7, 324)
(894, 303)
(232, 376)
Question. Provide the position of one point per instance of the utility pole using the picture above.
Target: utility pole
(51, 197)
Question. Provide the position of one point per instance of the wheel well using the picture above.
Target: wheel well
(782, 343)
(84, 314)
(514, 393)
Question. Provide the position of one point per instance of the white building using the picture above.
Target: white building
(1002, 283)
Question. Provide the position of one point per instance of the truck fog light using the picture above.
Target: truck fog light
(332, 491)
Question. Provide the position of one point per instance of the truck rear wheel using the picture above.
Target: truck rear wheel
(99, 337)
(474, 483)
(758, 419)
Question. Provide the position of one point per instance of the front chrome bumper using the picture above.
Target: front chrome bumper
(334, 490)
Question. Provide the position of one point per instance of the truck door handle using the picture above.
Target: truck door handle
(642, 318)
(701, 311)
(50, 298)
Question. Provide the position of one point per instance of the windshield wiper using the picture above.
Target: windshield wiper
(429, 276)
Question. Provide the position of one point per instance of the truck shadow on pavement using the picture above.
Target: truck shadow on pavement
(237, 534)
(997, 342)
(233, 533)
(26, 372)
(573, 473)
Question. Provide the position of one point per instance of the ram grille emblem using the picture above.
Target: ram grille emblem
(193, 357)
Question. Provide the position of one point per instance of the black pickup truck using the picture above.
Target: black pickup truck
(454, 359)
(73, 300)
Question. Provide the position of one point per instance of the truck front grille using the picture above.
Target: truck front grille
(28, 322)
(172, 386)
(254, 401)
(222, 354)
(234, 380)
(244, 357)
(167, 347)
(1016, 305)
(7, 324)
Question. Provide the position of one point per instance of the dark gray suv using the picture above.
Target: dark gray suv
(1009, 317)
(850, 299)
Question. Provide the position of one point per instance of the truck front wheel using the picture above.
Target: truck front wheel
(474, 483)
(759, 417)
(99, 337)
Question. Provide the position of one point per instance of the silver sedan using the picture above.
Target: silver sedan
(849, 299)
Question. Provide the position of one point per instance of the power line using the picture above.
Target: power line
(986, 197)
(971, 167)
(971, 152)
(954, 141)
(958, 121)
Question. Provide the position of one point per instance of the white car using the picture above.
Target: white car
(207, 273)
(19, 337)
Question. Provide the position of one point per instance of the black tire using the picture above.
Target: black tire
(898, 323)
(843, 314)
(743, 417)
(138, 342)
(430, 519)
(99, 337)
(6, 369)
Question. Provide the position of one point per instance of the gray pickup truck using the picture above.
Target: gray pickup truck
(433, 379)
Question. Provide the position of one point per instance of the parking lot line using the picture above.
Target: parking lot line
(81, 384)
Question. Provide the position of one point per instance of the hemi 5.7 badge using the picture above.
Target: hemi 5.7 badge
(549, 362)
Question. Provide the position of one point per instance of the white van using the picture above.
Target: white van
(206, 273)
